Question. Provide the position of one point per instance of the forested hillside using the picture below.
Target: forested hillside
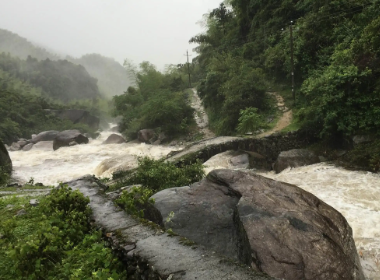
(247, 48)
(111, 75)
(58, 80)
(158, 101)
(21, 47)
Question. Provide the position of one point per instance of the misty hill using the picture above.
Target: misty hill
(21, 47)
(112, 77)
(58, 80)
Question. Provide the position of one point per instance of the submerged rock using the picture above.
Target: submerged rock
(295, 158)
(276, 228)
(45, 136)
(145, 135)
(114, 139)
(67, 137)
(28, 147)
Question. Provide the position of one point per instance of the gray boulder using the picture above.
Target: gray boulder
(274, 227)
(240, 161)
(15, 147)
(67, 137)
(145, 135)
(295, 158)
(28, 147)
(5, 160)
(114, 139)
(45, 136)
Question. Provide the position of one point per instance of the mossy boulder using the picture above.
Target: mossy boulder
(5, 160)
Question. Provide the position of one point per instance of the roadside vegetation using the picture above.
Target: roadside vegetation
(153, 176)
(157, 101)
(246, 50)
(53, 240)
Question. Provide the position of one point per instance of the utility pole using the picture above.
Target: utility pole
(188, 67)
(292, 59)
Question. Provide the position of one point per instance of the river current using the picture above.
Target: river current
(355, 194)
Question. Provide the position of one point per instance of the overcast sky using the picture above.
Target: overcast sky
(154, 30)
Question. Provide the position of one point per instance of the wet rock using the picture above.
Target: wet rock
(15, 147)
(5, 160)
(45, 136)
(114, 139)
(64, 138)
(156, 256)
(295, 158)
(276, 228)
(22, 143)
(33, 202)
(28, 147)
(145, 135)
(21, 212)
(43, 145)
(240, 161)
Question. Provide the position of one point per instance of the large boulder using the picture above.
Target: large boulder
(114, 139)
(77, 116)
(274, 227)
(145, 135)
(69, 138)
(44, 136)
(5, 160)
(295, 158)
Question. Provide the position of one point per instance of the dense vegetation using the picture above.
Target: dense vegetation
(59, 80)
(22, 110)
(154, 176)
(336, 57)
(53, 240)
(112, 77)
(158, 101)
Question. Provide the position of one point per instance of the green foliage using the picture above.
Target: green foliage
(336, 60)
(249, 121)
(59, 80)
(53, 240)
(154, 176)
(157, 102)
(366, 156)
(4, 176)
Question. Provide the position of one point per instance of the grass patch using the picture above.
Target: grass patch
(53, 240)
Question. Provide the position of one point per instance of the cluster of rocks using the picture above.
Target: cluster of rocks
(273, 227)
(149, 136)
(60, 139)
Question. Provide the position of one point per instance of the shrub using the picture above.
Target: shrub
(53, 240)
(154, 176)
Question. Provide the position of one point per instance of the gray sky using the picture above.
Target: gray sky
(153, 30)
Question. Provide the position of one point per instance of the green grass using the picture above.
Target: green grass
(53, 240)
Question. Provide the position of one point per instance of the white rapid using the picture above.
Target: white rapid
(51, 167)
(355, 194)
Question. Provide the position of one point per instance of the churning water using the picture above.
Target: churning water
(355, 194)
(51, 167)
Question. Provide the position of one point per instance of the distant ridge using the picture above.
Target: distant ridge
(111, 75)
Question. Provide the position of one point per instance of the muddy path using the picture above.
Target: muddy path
(285, 119)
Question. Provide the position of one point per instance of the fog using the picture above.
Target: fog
(152, 30)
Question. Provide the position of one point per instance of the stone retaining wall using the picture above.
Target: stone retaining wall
(268, 147)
